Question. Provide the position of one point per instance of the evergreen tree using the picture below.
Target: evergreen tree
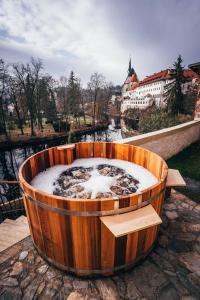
(178, 82)
(73, 95)
(173, 93)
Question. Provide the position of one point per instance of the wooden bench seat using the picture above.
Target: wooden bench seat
(133, 221)
(174, 178)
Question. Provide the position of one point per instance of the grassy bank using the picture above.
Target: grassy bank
(188, 163)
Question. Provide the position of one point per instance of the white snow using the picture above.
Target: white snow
(97, 183)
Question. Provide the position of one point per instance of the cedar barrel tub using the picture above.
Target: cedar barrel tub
(93, 237)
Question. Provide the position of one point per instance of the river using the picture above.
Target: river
(10, 160)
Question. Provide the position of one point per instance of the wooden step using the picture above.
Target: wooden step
(8, 221)
(21, 220)
(13, 231)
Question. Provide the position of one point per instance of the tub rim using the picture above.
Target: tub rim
(33, 189)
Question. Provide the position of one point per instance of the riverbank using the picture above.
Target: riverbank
(28, 140)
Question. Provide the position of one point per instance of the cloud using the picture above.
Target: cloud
(62, 30)
(91, 35)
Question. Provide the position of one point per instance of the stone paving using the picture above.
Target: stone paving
(171, 271)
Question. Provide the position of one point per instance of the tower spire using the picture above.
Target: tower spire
(130, 69)
(129, 66)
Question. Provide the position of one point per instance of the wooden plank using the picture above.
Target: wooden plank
(133, 221)
(174, 178)
(11, 232)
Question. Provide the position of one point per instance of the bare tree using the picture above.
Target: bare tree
(97, 82)
(62, 97)
(3, 80)
(28, 76)
(14, 92)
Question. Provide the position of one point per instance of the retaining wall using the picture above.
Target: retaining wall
(169, 141)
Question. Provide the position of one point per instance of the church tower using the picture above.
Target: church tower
(131, 71)
(131, 78)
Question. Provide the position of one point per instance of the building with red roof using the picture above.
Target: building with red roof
(141, 94)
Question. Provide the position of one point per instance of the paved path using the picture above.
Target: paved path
(171, 271)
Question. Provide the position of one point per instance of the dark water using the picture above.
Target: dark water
(10, 160)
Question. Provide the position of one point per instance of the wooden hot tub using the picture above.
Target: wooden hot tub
(93, 237)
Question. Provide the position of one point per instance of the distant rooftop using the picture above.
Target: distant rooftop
(163, 75)
(195, 67)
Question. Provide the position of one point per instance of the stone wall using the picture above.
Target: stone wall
(169, 141)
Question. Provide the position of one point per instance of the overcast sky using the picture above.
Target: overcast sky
(99, 36)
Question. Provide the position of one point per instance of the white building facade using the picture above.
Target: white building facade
(151, 90)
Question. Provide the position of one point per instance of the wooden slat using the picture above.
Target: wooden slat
(174, 178)
(133, 221)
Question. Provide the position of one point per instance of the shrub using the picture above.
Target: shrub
(158, 118)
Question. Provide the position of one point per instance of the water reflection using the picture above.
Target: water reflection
(11, 160)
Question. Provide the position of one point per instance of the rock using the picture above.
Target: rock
(23, 255)
(197, 208)
(116, 189)
(121, 286)
(188, 298)
(42, 269)
(85, 195)
(103, 195)
(180, 245)
(55, 284)
(169, 206)
(49, 293)
(165, 222)
(31, 289)
(105, 171)
(163, 241)
(148, 278)
(67, 286)
(191, 261)
(77, 296)
(162, 262)
(80, 284)
(170, 273)
(76, 189)
(41, 288)
(81, 175)
(185, 236)
(27, 280)
(9, 281)
(193, 227)
(17, 269)
(196, 247)
(194, 279)
(168, 292)
(132, 291)
(11, 294)
(31, 258)
(185, 205)
(39, 259)
(172, 215)
(107, 289)
(50, 274)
